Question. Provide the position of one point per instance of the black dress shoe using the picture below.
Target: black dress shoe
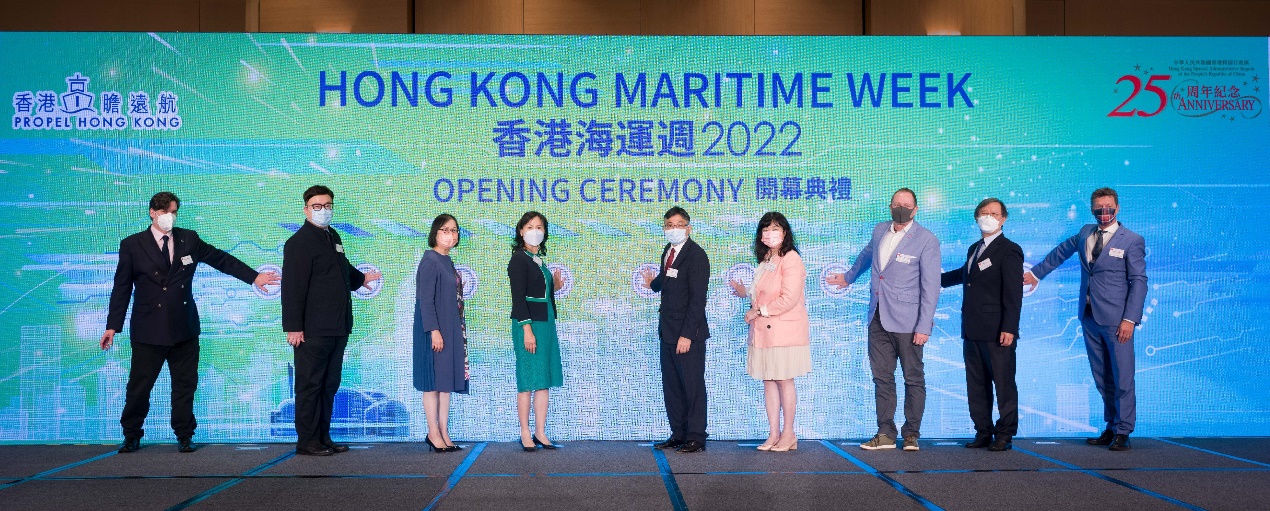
(670, 443)
(692, 446)
(314, 451)
(130, 445)
(1103, 439)
(334, 447)
(185, 444)
(544, 445)
(979, 442)
(1002, 443)
(1120, 443)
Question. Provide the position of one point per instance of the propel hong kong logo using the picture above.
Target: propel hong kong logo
(79, 109)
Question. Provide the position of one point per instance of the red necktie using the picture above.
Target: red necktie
(671, 259)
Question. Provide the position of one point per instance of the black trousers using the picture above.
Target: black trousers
(147, 363)
(990, 364)
(318, 365)
(683, 385)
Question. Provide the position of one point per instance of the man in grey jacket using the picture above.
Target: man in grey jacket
(904, 261)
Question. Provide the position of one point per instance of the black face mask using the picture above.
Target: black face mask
(901, 215)
(1105, 216)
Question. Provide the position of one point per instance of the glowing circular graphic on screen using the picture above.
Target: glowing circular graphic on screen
(470, 280)
(566, 278)
(637, 279)
(833, 291)
(273, 290)
(743, 272)
(373, 291)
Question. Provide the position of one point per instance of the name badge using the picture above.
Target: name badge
(339, 248)
(769, 266)
(1116, 252)
(672, 272)
(537, 261)
(903, 258)
(985, 264)
(187, 260)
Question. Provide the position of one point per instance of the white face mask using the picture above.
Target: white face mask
(773, 239)
(165, 221)
(676, 236)
(988, 223)
(533, 237)
(322, 218)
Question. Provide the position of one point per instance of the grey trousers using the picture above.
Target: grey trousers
(884, 349)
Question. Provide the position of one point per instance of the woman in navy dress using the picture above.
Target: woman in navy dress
(440, 333)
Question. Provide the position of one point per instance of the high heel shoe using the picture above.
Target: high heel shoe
(768, 444)
(791, 447)
(544, 445)
(529, 448)
(432, 447)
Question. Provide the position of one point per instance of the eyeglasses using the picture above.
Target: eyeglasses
(448, 230)
(320, 207)
(674, 226)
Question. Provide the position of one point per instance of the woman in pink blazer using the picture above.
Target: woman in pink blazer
(780, 334)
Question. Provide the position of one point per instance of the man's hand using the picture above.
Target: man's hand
(1007, 338)
(682, 347)
(295, 338)
(920, 339)
(107, 339)
(437, 343)
(1030, 280)
(839, 280)
(371, 277)
(266, 278)
(649, 275)
(1125, 333)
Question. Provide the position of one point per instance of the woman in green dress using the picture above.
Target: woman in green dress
(533, 328)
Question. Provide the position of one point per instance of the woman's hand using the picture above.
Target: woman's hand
(437, 343)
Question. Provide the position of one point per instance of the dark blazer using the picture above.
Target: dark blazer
(165, 313)
(683, 298)
(993, 297)
(527, 281)
(316, 282)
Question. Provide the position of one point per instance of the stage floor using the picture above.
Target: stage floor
(1159, 473)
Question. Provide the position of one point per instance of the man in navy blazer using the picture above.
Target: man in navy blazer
(1113, 289)
(156, 266)
(903, 258)
(992, 299)
(683, 283)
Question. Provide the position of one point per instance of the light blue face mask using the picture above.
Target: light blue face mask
(676, 236)
(322, 218)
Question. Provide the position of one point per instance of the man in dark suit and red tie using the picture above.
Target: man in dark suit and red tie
(992, 298)
(157, 267)
(681, 325)
(1113, 290)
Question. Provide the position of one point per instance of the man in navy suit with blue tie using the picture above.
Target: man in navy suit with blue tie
(1113, 289)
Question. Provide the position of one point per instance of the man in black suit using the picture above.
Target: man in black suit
(159, 264)
(682, 328)
(317, 315)
(991, 301)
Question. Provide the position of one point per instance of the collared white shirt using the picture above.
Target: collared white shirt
(1089, 242)
(674, 249)
(986, 241)
(158, 241)
(890, 240)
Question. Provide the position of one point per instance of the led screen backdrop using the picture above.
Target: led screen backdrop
(603, 134)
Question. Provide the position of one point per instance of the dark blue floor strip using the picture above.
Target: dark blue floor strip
(1110, 479)
(458, 474)
(668, 478)
(58, 469)
(230, 483)
(885, 478)
(1222, 454)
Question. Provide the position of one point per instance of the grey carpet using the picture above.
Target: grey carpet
(103, 495)
(791, 492)
(1074, 491)
(21, 461)
(375, 459)
(633, 493)
(1145, 452)
(164, 460)
(934, 456)
(723, 456)
(301, 494)
(570, 457)
(1235, 491)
